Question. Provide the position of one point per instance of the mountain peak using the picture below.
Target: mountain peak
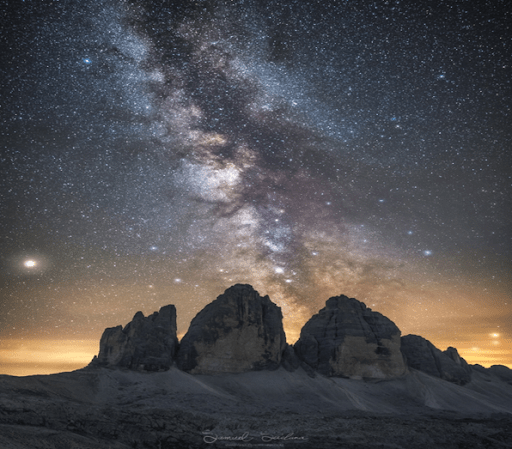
(347, 339)
(239, 331)
(242, 331)
(146, 343)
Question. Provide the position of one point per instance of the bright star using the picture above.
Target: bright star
(427, 252)
(37, 264)
(86, 61)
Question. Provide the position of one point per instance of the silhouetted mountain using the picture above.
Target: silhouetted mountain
(424, 356)
(347, 339)
(240, 331)
(145, 343)
(344, 385)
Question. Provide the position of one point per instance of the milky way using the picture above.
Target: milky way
(159, 152)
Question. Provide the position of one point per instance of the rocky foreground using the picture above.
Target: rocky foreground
(350, 381)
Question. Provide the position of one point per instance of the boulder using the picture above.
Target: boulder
(240, 331)
(422, 355)
(147, 344)
(347, 339)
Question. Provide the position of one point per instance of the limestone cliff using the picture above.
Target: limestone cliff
(347, 339)
(146, 343)
(240, 331)
(422, 355)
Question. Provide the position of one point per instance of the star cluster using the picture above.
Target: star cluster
(159, 152)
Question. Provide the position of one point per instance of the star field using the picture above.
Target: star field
(159, 152)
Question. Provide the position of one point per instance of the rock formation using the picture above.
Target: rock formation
(347, 339)
(289, 360)
(501, 372)
(422, 355)
(148, 344)
(240, 331)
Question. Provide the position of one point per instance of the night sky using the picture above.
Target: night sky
(159, 152)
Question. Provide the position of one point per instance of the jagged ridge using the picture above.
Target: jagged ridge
(242, 331)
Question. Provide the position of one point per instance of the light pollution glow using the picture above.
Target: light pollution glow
(477, 342)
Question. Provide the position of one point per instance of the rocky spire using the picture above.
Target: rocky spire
(148, 344)
(347, 339)
(239, 331)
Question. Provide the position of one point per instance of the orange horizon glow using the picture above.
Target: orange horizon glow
(33, 357)
(43, 357)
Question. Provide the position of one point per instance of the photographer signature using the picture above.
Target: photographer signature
(266, 438)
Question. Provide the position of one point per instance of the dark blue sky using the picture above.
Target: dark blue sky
(158, 152)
